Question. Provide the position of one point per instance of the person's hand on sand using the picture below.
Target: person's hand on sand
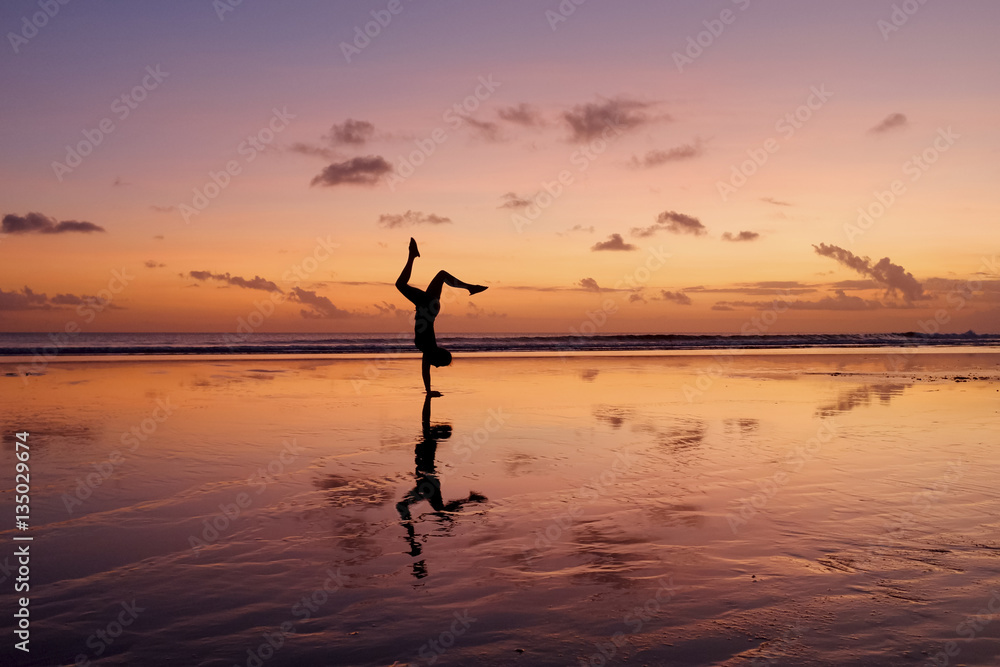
(434, 394)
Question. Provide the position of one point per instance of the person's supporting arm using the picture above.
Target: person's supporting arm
(426, 372)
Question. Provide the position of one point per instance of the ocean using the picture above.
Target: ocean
(85, 344)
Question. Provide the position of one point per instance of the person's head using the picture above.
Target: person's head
(439, 357)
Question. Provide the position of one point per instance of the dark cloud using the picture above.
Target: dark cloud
(485, 129)
(776, 202)
(839, 301)
(27, 299)
(411, 218)
(522, 114)
(254, 283)
(890, 122)
(158, 237)
(365, 170)
(589, 285)
(636, 297)
(590, 121)
(742, 236)
(677, 297)
(614, 242)
(153, 264)
(892, 277)
(36, 223)
(320, 307)
(23, 300)
(351, 132)
(655, 158)
(673, 222)
(511, 200)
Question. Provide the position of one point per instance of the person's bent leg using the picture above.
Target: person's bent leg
(444, 278)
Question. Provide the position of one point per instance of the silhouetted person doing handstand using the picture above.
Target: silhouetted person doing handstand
(428, 304)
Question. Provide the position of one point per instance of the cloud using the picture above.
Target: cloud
(27, 299)
(254, 283)
(614, 242)
(36, 223)
(311, 149)
(320, 307)
(722, 306)
(351, 132)
(365, 170)
(513, 201)
(890, 122)
(485, 129)
(23, 300)
(153, 264)
(839, 301)
(890, 276)
(590, 121)
(677, 297)
(636, 297)
(855, 284)
(163, 209)
(589, 285)
(742, 236)
(673, 222)
(655, 158)
(776, 202)
(411, 218)
(577, 228)
(760, 288)
(476, 312)
(522, 114)
(158, 237)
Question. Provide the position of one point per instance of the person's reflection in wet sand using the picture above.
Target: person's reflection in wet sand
(428, 486)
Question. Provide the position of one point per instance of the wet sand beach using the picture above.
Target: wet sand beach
(728, 509)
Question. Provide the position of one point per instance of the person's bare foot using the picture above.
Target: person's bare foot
(476, 289)
(413, 248)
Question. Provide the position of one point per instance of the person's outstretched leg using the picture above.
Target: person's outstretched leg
(445, 278)
(414, 294)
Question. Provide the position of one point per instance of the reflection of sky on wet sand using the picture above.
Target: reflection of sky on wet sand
(572, 489)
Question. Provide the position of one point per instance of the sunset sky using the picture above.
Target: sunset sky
(683, 166)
